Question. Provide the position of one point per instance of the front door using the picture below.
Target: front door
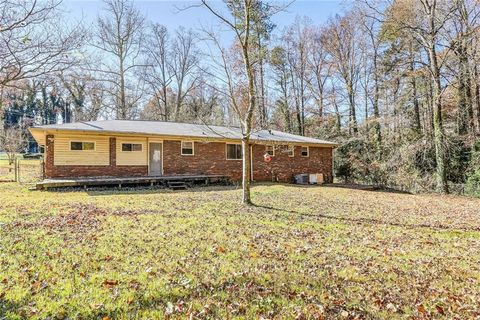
(155, 154)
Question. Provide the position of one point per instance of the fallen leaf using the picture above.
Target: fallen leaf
(421, 309)
(110, 283)
(440, 310)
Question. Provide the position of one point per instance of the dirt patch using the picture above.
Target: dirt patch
(76, 220)
(79, 219)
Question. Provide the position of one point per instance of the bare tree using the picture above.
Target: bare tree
(262, 27)
(12, 141)
(184, 66)
(281, 74)
(426, 20)
(158, 72)
(118, 36)
(463, 24)
(342, 43)
(84, 93)
(239, 21)
(295, 39)
(319, 69)
(34, 41)
(372, 29)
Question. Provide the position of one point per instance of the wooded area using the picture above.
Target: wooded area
(395, 82)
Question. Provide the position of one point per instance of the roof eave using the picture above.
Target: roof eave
(37, 131)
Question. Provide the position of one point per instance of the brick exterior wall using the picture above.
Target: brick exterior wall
(283, 168)
(208, 158)
(70, 171)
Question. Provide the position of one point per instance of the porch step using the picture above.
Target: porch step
(177, 185)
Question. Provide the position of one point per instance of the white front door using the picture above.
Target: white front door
(155, 154)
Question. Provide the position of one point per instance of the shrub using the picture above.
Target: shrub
(459, 156)
(355, 162)
(472, 187)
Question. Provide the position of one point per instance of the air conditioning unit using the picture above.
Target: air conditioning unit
(301, 179)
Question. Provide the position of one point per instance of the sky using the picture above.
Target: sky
(167, 12)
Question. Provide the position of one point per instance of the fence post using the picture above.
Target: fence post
(42, 168)
(15, 166)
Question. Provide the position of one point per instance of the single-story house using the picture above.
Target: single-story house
(124, 148)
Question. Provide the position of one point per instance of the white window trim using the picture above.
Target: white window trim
(131, 142)
(308, 151)
(70, 146)
(273, 149)
(226, 151)
(291, 148)
(187, 154)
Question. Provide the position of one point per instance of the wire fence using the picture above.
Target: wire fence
(21, 170)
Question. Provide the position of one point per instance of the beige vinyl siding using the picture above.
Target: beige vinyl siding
(98, 157)
(132, 158)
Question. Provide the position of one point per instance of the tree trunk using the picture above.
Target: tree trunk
(477, 95)
(439, 135)
(430, 103)
(413, 82)
(165, 92)
(262, 104)
(366, 93)
(123, 104)
(338, 122)
(299, 117)
(376, 115)
(285, 108)
(246, 171)
(353, 125)
(465, 116)
(302, 89)
(178, 103)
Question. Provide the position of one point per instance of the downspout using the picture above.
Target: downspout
(333, 164)
(251, 162)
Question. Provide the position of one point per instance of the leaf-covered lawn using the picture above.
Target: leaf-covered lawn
(302, 252)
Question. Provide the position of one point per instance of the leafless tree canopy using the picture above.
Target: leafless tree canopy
(33, 42)
(395, 82)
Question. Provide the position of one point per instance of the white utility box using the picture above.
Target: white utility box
(316, 178)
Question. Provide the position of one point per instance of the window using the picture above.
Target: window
(270, 150)
(132, 147)
(305, 152)
(82, 146)
(187, 148)
(234, 151)
(291, 151)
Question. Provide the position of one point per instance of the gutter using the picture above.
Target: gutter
(180, 137)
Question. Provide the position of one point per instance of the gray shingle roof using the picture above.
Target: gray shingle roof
(180, 129)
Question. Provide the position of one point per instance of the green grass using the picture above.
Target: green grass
(302, 252)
